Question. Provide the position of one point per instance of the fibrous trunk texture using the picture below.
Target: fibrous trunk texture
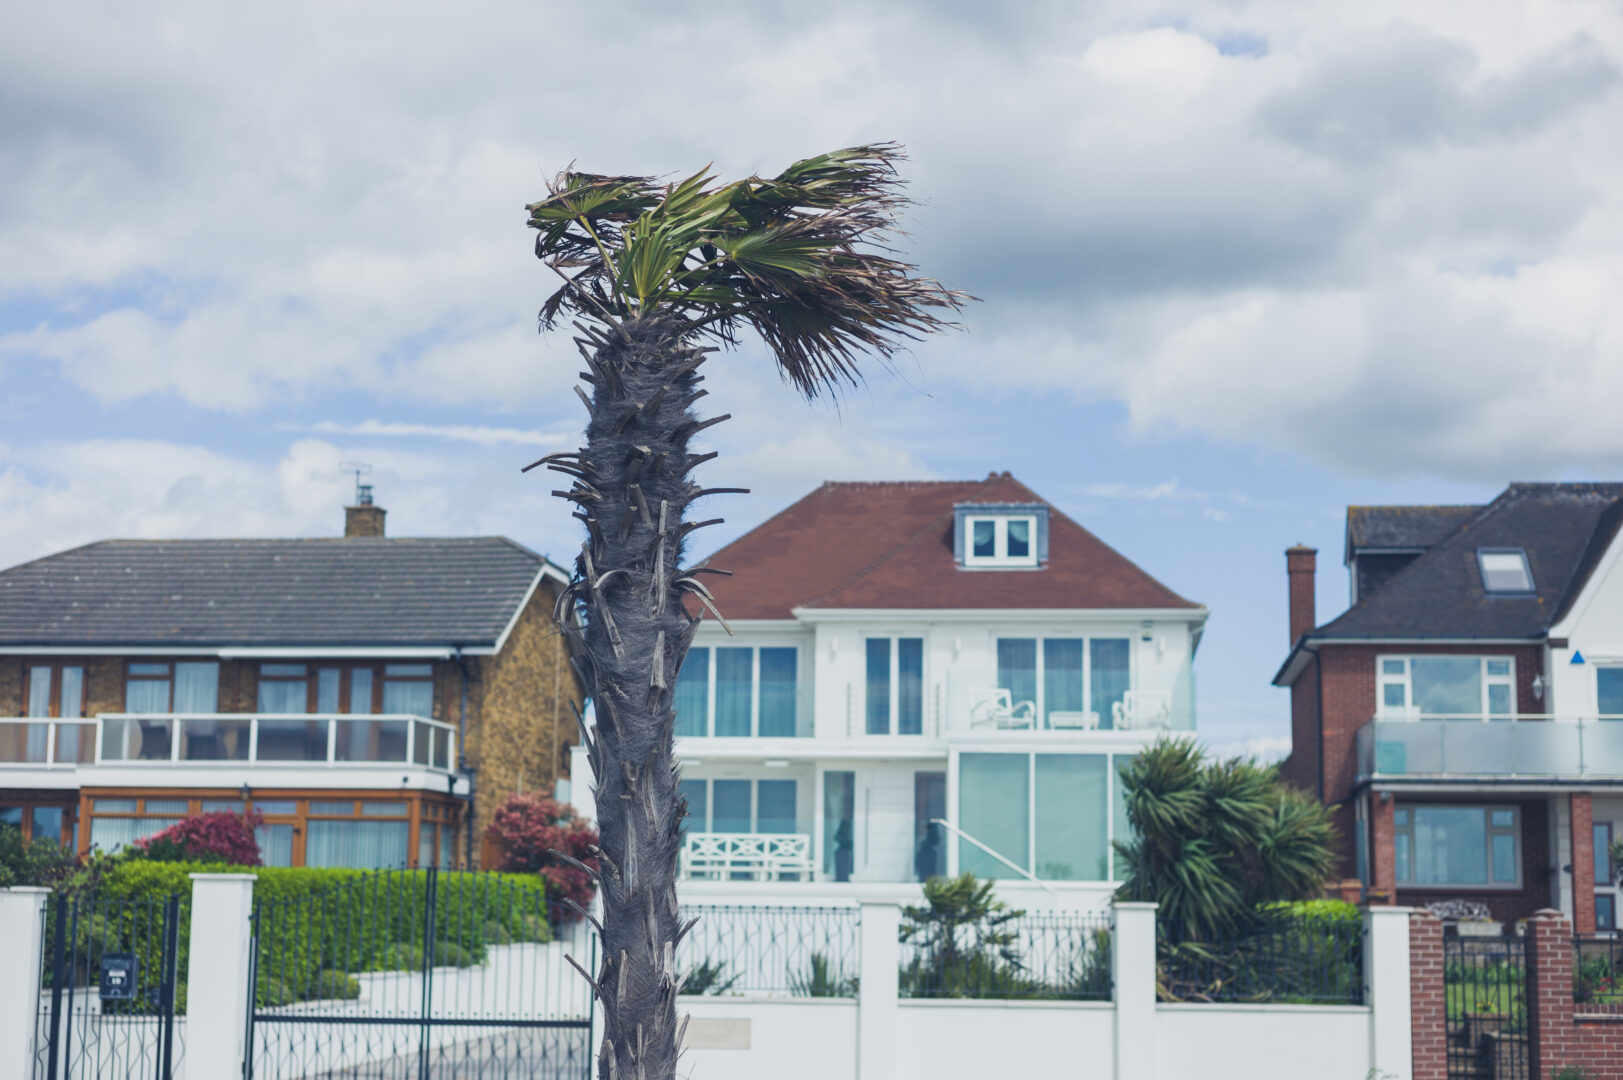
(632, 489)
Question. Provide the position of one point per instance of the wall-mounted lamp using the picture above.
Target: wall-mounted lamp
(247, 793)
(1538, 687)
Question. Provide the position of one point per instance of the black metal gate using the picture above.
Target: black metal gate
(1485, 993)
(419, 975)
(108, 980)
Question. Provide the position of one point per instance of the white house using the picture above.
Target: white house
(919, 652)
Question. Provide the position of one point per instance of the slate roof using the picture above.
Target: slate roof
(1402, 527)
(1564, 528)
(357, 591)
(890, 545)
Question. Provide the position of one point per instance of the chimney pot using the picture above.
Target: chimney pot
(1301, 569)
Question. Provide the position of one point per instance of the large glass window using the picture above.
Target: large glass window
(692, 696)
(737, 691)
(1069, 682)
(1609, 691)
(929, 839)
(1070, 830)
(741, 806)
(1052, 814)
(839, 823)
(895, 686)
(186, 686)
(1447, 686)
(1457, 846)
(395, 689)
(994, 807)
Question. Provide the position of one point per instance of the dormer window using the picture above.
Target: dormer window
(1001, 536)
(1504, 570)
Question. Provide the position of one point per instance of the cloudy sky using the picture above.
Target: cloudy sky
(1240, 264)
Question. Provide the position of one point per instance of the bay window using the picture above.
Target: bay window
(1478, 687)
(1457, 846)
(1053, 815)
(738, 691)
(1066, 675)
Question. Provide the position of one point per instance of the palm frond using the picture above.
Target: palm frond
(799, 258)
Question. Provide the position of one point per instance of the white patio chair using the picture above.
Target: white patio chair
(995, 708)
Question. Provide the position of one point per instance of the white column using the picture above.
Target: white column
(1386, 982)
(217, 974)
(878, 994)
(1132, 973)
(21, 916)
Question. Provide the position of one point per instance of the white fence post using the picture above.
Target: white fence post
(22, 931)
(217, 993)
(1386, 983)
(878, 993)
(1132, 974)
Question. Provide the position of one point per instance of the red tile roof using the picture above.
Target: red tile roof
(890, 545)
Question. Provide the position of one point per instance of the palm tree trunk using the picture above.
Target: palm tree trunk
(632, 490)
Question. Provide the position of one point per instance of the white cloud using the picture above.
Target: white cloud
(482, 434)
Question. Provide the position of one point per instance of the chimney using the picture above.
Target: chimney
(1301, 567)
(364, 519)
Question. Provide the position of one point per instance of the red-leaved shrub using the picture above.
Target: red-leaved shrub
(528, 827)
(217, 837)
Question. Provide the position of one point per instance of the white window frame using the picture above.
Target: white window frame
(1087, 641)
(755, 689)
(1000, 540)
(1402, 676)
(893, 713)
(1514, 830)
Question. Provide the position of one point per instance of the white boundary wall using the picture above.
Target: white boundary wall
(876, 1037)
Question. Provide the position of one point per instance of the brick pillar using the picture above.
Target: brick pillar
(1427, 1002)
(1301, 566)
(1549, 993)
(1583, 863)
(1383, 863)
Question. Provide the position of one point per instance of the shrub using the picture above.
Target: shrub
(530, 828)
(219, 837)
(334, 986)
(709, 977)
(822, 979)
(965, 947)
(42, 862)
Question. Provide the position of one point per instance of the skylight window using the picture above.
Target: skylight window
(1505, 570)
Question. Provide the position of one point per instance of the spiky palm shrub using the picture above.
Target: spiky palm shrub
(1213, 844)
(656, 276)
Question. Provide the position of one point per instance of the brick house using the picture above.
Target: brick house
(1463, 717)
(372, 698)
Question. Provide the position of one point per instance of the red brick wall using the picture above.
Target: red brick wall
(1561, 1039)
(1427, 1005)
(1301, 769)
(1583, 861)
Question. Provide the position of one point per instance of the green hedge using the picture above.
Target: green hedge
(318, 926)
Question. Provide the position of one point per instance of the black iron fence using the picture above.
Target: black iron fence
(1597, 972)
(109, 980)
(1035, 955)
(770, 949)
(1283, 959)
(429, 973)
(1485, 1006)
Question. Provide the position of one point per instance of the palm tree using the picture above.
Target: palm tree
(657, 276)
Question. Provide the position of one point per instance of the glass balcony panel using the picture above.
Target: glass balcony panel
(371, 740)
(23, 744)
(292, 740)
(214, 739)
(1603, 747)
(442, 748)
(1528, 747)
(136, 738)
(422, 747)
(75, 744)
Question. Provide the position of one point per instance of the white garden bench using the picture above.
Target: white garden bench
(746, 856)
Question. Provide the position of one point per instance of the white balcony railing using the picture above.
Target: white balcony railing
(976, 704)
(275, 739)
(1519, 747)
(746, 857)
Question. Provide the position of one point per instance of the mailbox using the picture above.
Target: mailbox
(118, 977)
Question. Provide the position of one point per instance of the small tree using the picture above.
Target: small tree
(1214, 840)
(218, 837)
(967, 947)
(531, 828)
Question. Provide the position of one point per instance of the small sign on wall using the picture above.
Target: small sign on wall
(118, 976)
(717, 1034)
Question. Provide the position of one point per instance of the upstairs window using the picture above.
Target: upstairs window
(1474, 687)
(1000, 540)
(738, 691)
(185, 686)
(1504, 570)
